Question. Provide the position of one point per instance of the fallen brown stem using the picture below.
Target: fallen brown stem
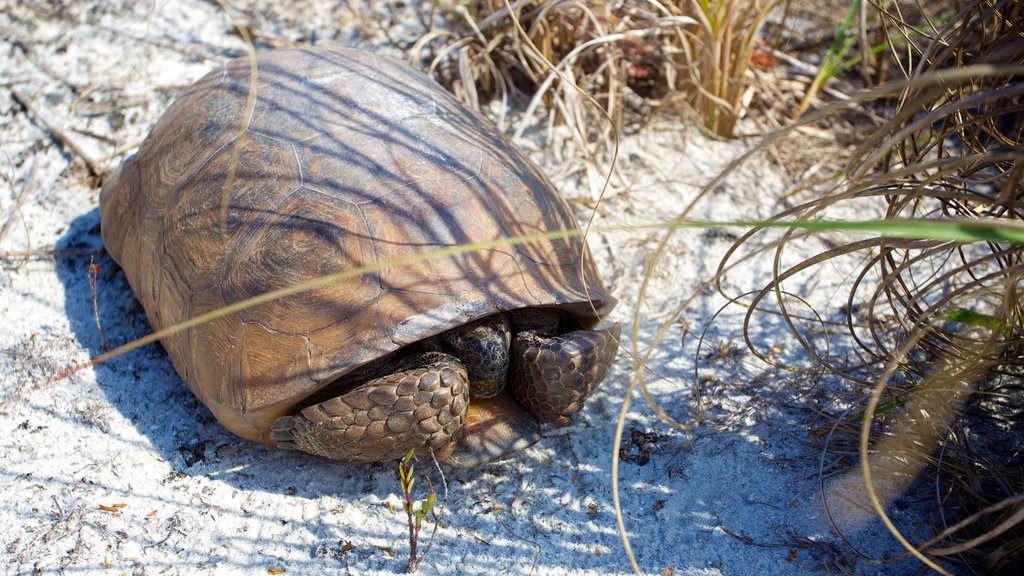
(25, 187)
(58, 136)
(45, 253)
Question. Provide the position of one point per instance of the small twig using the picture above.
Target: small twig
(8, 82)
(46, 253)
(747, 539)
(435, 511)
(58, 136)
(25, 187)
(444, 481)
(95, 136)
(437, 521)
(31, 386)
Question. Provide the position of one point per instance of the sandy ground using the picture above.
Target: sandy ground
(118, 469)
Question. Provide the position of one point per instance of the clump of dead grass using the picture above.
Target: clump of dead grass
(933, 330)
(598, 67)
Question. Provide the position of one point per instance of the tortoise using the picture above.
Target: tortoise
(329, 160)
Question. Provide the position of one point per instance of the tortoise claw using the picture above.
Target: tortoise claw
(553, 376)
(280, 430)
(495, 427)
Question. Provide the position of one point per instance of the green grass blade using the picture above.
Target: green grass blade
(979, 230)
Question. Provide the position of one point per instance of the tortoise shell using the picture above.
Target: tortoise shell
(323, 161)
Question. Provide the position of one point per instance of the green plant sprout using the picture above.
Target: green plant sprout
(836, 59)
(94, 275)
(406, 479)
(832, 63)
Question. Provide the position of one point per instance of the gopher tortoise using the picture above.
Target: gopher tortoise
(329, 160)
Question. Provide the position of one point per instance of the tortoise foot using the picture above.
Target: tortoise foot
(495, 427)
(553, 376)
(422, 405)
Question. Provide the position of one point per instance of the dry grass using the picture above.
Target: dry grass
(600, 67)
(934, 329)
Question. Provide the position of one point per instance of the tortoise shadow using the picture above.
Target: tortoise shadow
(142, 384)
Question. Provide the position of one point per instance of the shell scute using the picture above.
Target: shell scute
(304, 237)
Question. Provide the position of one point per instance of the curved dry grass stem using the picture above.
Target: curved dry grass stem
(1015, 517)
(620, 521)
(934, 327)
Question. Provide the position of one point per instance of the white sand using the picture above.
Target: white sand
(737, 496)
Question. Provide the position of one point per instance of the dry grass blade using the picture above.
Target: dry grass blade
(302, 287)
(26, 187)
(243, 134)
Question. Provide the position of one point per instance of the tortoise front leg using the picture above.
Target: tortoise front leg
(422, 404)
(552, 376)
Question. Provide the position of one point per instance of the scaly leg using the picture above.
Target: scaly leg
(422, 404)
